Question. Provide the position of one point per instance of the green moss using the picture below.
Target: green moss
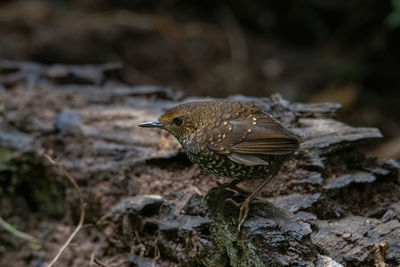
(231, 251)
(24, 176)
(5, 158)
(48, 198)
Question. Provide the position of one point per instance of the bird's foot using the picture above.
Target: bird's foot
(244, 211)
(245, 205)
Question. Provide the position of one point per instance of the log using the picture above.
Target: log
(329, 206)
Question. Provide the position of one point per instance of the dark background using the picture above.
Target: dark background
(315, 50)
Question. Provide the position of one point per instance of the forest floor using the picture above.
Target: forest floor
(144, 198)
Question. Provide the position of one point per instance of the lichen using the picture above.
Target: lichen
(230, 250)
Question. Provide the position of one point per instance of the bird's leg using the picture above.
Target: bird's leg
(245, 205)
(232, 185)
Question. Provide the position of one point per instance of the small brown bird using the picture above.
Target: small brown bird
(230, 138)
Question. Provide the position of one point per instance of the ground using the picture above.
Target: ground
(144, 198)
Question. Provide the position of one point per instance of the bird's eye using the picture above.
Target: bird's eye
(177, 120)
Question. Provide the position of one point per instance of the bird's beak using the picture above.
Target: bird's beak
(151, 124)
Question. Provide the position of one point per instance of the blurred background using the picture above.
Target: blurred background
(310, 51)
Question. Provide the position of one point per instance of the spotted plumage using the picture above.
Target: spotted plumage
(230, 138)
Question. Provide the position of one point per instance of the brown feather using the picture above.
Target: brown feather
(266, 137)
(248, 160)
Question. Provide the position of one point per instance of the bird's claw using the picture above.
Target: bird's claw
(243, 212)
(233, 202)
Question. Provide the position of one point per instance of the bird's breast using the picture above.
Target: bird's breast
(221, 165)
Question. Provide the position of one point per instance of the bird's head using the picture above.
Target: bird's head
(181, 121)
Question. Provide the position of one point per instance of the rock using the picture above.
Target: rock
(307, 217)
(296, 201)
(351, 239)
(120, 92)
(392, 164)
(266, 235)
(315, 110)
(67, 119)
(169, 229)
(13, 139)
(146, 205)
(325, 261)
(190, 223)
(196, 206)
(393, 212)
(61, 73)
(328, 135)
(136, 261)
(314, 178)
(347, 179)
(175, 229)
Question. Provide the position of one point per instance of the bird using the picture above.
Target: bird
(234, 139)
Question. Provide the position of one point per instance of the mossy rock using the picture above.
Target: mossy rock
(270, 236)
(23, 176)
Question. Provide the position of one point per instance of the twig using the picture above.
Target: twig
(12, 230)
(81, 205)
(94, 260)
(99, 262)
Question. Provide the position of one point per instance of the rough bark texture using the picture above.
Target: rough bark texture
(329, 205)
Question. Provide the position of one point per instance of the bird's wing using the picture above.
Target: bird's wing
(243, 140)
